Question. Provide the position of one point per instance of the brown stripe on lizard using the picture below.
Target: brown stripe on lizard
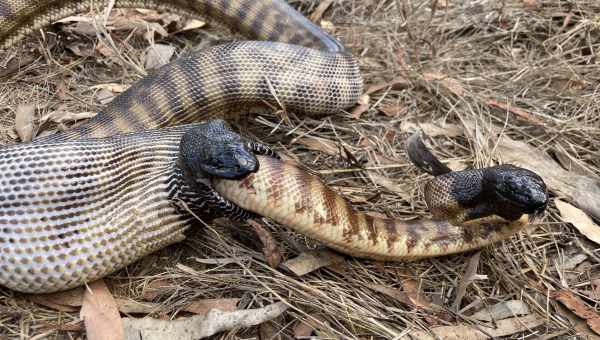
(303, 203)
(326, 198)
(275, 191)
(391, 231)
(352, 222)
(386, 239)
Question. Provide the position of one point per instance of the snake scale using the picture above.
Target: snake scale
(79, 205)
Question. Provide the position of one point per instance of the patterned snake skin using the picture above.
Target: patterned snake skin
(63, 207)
(230, 78)
(75, 208)
(271, 20)
(301, 201)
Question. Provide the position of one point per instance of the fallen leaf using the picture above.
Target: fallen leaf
(411, 287)
(376, 214)
(499, 329)
(533, 4)
(128, 306)
(60, 116)
(139, 26)
(112, 87)
(303, 329)
(66, 301)
(108, 52)
(584, 191)
(62, 90)
(158, 55)
(271, 250)
(580, 308)
(83, 25)
(145, 11)
(152, 29)
(432, 130)
(312, 260)
(389, 185)
(450, 83)
(86, 28)
(100, 314)
(327, 25)
(579, 220)
(572, 164)
(396, 83)
(579, 325)
(13, 65)
(105, 96)
(24, 117)
(442, 3)
(569, 262)
(50, 304)
(192, 24)
(81, 49)
(150, 15)
(517, 111)
(204, 306)
(169, 21)
(393, 110)
(199, 326)
(270, 331)
(502, 310)
(319, 144)
(74, 18)
(71, 300)
(362, 107)
(306, 327)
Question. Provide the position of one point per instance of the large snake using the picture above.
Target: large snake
(79, 205)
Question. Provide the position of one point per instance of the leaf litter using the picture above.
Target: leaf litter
(489, 82)
(100, 314)
(200, 326)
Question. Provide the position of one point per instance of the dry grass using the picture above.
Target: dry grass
(541, 56)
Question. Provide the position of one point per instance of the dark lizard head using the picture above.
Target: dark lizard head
(212, 148)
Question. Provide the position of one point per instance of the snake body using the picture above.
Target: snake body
(255, 19)
(79, 205)
(77, 210)
(228, 79)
